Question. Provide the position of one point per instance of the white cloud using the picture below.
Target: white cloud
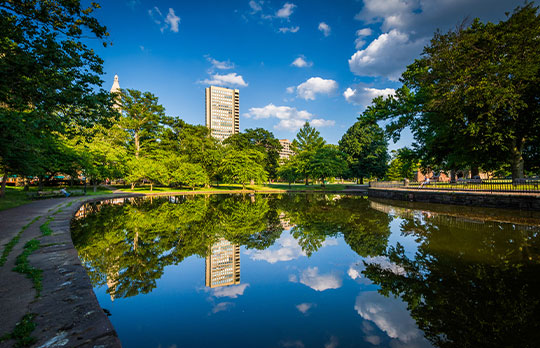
(285, 30)
(364, 95)
(231, 79)
(325, 28)
(388, 55)
(255, 6)
(289, 118)
(320, 282)
(232, 291)
(288, 249)
(356, 269)
(222, 306)
(360, 35)
(305, 307)
(171, 21)
(286, 11)
(315, 85)
(391, 316)
(216, 64)
(290, 89)
(301, 62)
(292, 344)
(332, 343)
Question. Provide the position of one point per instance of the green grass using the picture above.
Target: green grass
(45, 228)
(22, 332)
(16, 196)
(23, 266)
(11, 244)
(229, 187)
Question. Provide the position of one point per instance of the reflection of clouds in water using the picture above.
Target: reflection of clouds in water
(305, 307)
(230, 291)
(355, 270)
(222, 306)
(292, 344)
(289, 250)
(391, 316)
(320, 282)
(333, 343)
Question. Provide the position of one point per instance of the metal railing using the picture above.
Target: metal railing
(480, 185)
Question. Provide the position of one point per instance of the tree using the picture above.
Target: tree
(49, 79)
(243, 166)
(190, 174)
(471, 99)
(308, 141)
(149, 169)
(328, 161)
(403, 165)
(288, 171)
(366, 147)
(141, 117)
(262, 140)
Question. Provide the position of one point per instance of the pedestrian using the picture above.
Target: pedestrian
(425, 182)
(63, 190)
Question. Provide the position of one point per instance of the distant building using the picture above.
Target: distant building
(286, 151)
(116, 89)
(223, 264)
(222, 111)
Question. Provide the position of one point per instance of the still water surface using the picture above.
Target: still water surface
(310, 271)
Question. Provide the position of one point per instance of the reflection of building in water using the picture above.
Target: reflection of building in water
(223, 264)
(285, 223)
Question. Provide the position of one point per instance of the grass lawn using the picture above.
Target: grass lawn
(227, 187)
(15, 195)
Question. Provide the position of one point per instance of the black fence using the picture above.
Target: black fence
(480, 185)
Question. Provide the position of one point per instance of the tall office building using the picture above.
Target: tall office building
(286, 151)
(222, 111)
(223, 264)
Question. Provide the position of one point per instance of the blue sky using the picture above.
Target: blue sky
(292, 61)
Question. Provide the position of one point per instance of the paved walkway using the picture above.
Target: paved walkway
(67, 311)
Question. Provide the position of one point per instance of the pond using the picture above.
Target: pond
(308, 270)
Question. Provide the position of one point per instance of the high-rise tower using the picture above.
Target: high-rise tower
(223, 264)
(222, 111)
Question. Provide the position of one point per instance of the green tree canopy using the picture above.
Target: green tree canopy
(243, 166)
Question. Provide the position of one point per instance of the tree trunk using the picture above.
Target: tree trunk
(243, 186)
(137, 145)
(361, 180)
(132, 186)
(26, 185)
(289, 184)
(452, 175)
(40, 183)
(3, 188)
(307, 181)
(475, 171)
(151, 186)
(517, 161)
(95, 185)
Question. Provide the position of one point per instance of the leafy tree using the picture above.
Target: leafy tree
(152, 170)
(243, 166)
(403, 165)
(471, 100)
(308, 141)
(288, 171)
(262, 140)
(141, 116)
(328, 161)
(366, 147)
(190, 174)
(49, 78)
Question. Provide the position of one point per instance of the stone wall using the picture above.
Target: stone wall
(477, 199)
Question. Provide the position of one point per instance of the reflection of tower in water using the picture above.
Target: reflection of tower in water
(223, 264)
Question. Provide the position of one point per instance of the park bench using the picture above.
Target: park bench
(53, 194)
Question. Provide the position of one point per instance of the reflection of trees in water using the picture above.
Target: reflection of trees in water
(130, 244)
(469, 284)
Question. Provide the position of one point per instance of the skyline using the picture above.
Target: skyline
(291, 60)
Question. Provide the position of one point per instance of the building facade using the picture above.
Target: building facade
(286, 151)
(223, 264)
(222, 111)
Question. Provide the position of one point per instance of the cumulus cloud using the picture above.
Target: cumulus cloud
(290, 89)
(364, 95)
(287, 249)
(305, 307)
(301, 62)
(325, 28)
(320, 282)
(231, 79)
(289, 118)
(221, 65)
(232, 291)
(286, 11)
(171, 21)
(360, 36)
(391, 316)
(356, 269)
(407, 26)
(285, 30)
(387, 56)
(315, 85)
